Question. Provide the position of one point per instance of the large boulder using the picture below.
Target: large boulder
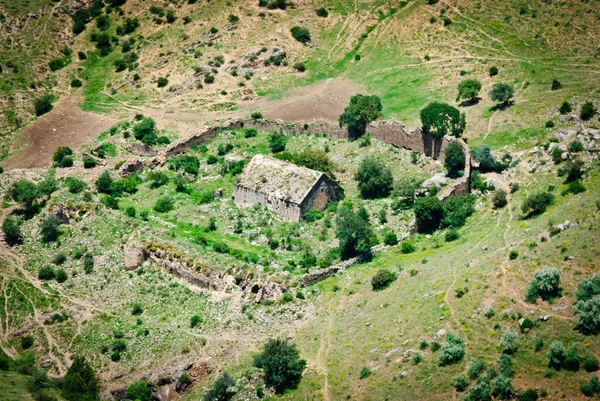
(134, 256)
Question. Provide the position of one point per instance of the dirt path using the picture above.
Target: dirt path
(322, 354)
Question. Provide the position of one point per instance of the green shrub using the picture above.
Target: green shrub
(26, 342)
(565, 107)
(88, 263)
(476, 368)
(407, 247)
(509, 342)
(455, 159)
(164, 204)
(457, 209)
(61, 276)
(526, 325)
(139, 391)
(365, 372)
(451, 235)
(250, 132)
(80, 381)
(322, 12)
(60, 154)
(429, 212)
(195, 321)
(590, 363)
(137, 309)
(502, 93)
(391, 239)
(89, 162)
(221, 389)
(587, 111)
(374, 178)
(162, 82)
(59, 258)
(50, 228)
(529, 395)
(499, 199)
(277, 142)
(189, 164)
(460, 383)
(360, 112)
(537, 203)
(281, 363)
(592, 387)
(493, 71)
(11, 227)
(575, 146)
(57, 64)
(313, 215)
(104, 183)
(468, 89)
(301, 34)
(512, 255)
(453, 350)
(556, 355)
(157, 178)
(75, 185)
(382, 279)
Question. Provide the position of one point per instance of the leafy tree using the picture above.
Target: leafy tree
(573, 170)
(499, 199)
(145, 131)
(429, 212)
(282, 365)
(301, 34)
(454, 159)
(493, 71)
(43, 105)
(587, 111)
(439, 119)
(537, 203)
(509, 342)
(75, 185)
(556, 354)
(575, 146)
(50, 228)
(162, 82)
(25, 193)
(382, 279)
(502, 387)
(502, 93)
(460, 383)
(104, 183)
(48, 185)
(361, 111)
(374, 178)
(529, 395)
(390, 239)
(139, 391)
(565, 107)
(588, 312)
(11, 227)
(592, 387)
(81, 382)
(545, 284)
(164, 204)
(60, 154)
(468, 89)
(277, 142)
(222, 390)
(354, 234)
(453, 350)
(486, 160)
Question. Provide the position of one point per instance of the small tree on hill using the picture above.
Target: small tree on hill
(537, 203)
(502, 93)
(374, 178)
(50, 228)
(282, 365)
(587, 111)
(60, 154)
(360, 112)
(12, 230)
(301, 34)
(439, 119)
(565, 107)
(468, 89)
(25, 193)
(222, 390)
(453, 350)
(382, 279)
(353, 233)
(454, 159)
(43, 105)
(277, 142)
(429, 212)
(139, 391)
(104, 183)
(80, 382)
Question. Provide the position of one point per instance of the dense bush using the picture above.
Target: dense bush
(439, 119)
(374, 178)
(139, 391)
(537, 203)
(145, 131)
(104, 183)
(89, 162)
(460, 383)
(572, 170)
(11, 227)
(75, 185)
(322, 12)
(50, 228)
(429, 212)
(382, 279)
(592, 387)
(499, 199)
(88, 263)
(487, 162)
(556, 354)
(281, 363)
(587, 310)
(43, 105)
(354, 233)
(162, 82)
(509, 342)
(493, 71)
(157, 179)
(453, 350)
(545, 284)
(164, 204)
(591, 364)
(407, 247)
(529, 395)
(391, 239)
(80, 382)
(25, 193)
(587, 111)
(313, 215)
(476, 368)
(360, 112)
(456, 211)
(454, 159)
(61, 276)
(575, 146)
(565, 107)
(222, 389)
(189, 164)
(277, 142)
(59, 156)
(301, 34)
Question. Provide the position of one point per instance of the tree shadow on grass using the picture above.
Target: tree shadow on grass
(470, 102)
(502, 106)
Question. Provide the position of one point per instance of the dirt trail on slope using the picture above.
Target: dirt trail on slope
(65, 125)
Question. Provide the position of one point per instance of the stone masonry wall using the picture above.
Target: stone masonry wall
(245, 197)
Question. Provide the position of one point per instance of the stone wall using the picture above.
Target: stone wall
(319, 196)
(246, 197)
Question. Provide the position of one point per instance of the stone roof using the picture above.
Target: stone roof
(279, 179)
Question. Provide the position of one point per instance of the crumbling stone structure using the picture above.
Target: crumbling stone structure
(285, 188)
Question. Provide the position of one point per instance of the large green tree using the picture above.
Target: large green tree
(360, 112)
(282, 364)
(374, 178)
(502, 93)
(429, 212)
(439, 119)
(454, 160)
(468, 89)
(81, 382)
(25, 193)
(354, 233)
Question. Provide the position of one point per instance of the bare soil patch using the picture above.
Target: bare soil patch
(65, 125)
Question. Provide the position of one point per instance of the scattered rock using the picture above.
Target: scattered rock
(439, 335)
(544, 318)
(133, 257)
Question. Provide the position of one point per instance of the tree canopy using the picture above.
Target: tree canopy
(353, 232)
(25, 193)
(361, 111)
(80, 382)
(429, 212)
(282, 364)
(454, 159)
(374, 178)
(502, 93)
(468, 89)
(439, 119)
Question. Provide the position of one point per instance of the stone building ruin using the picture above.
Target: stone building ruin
(284, 188)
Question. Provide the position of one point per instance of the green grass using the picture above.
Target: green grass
(13, 387)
